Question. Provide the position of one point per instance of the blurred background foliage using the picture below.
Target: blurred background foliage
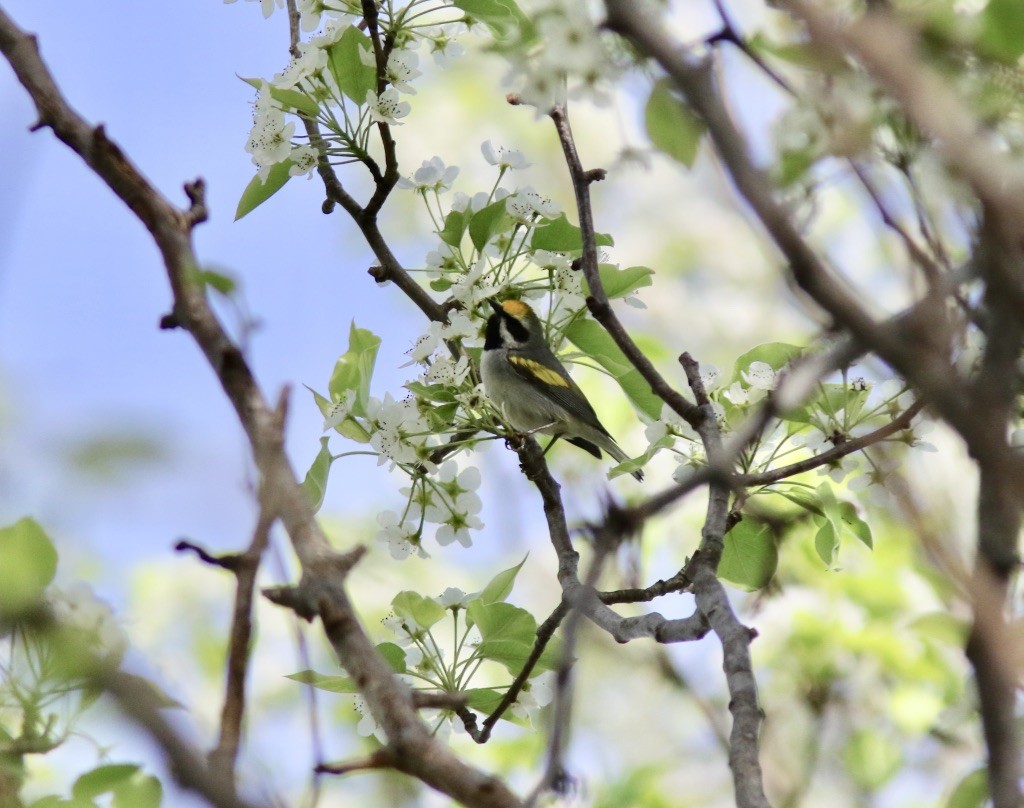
(115, 437)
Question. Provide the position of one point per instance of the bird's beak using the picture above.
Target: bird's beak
(496, 306)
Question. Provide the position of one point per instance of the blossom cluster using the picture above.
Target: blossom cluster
(335, 80)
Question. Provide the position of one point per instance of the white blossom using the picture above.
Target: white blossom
(526, 204)
(401, 69)
(760, 376)
(432, 175)
(503, 157)
(386, 107)
(338, 411)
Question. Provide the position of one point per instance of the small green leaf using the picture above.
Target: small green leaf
(344, 60)
(504, 18)
(499, 587)
(774, 354)
(431, 392)
(826, 543)
(1002, 30)
(315, 483)
(142, 791)
(394, 655)
(259, 191)
(350, 428)
(559, 235)
(218, 281)
(510, 653)
(421, 610)
(330, 684)
(502, 621)
(289, 99)
(806, 499)
(598, 344)
(28, 562)
(102, 780)
(871, 759)
(488, 221)
(620, 282)
(671, 125)
(853, 524)
(750, 557)
(454, 227)
(942, 626)
(483, 699)
(354, 368)
(971, 791)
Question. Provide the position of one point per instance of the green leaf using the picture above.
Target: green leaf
(102, 780)
(971, 791)
(774, 354)
(559, 235)
(504, 18)
(28, 562)
(454, 227)
(483, 699)
(499, 587)
(871, 759)
(671, 125)
(142, 791)
(330, 684)
(431, 392)
(394, 655)
(502, 621)
(597, 343)
(354, 368)
(488, 221)
(806, 499)
(315, 483)
(853, 524)
(750, 557)
(512, 654)
(290, 99)
(350, 428)
(794, 165)
(421, 610)
(620, 282)
(943, 627)
(826, 543)
(257, 191)
(344, 61)
(218, 281)
(1002, 30)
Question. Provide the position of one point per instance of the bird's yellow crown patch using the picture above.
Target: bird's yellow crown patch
(516, 308)
(540, 372)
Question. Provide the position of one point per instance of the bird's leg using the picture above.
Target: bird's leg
(546, 448)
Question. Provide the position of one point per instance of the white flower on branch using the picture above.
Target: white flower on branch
(386, 107)
(432, 175)
(504, 158)
(401, 69)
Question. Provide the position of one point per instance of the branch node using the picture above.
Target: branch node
(599, 308)
(328, 205)
(319, 582)
(229, 561)
(170, 321)
(378, 273)
(594, 175)
(197, 211)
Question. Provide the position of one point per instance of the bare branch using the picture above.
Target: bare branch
(323, 571)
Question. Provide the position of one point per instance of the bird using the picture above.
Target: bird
(531, 388)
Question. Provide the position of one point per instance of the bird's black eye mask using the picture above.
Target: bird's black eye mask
(515, 330)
